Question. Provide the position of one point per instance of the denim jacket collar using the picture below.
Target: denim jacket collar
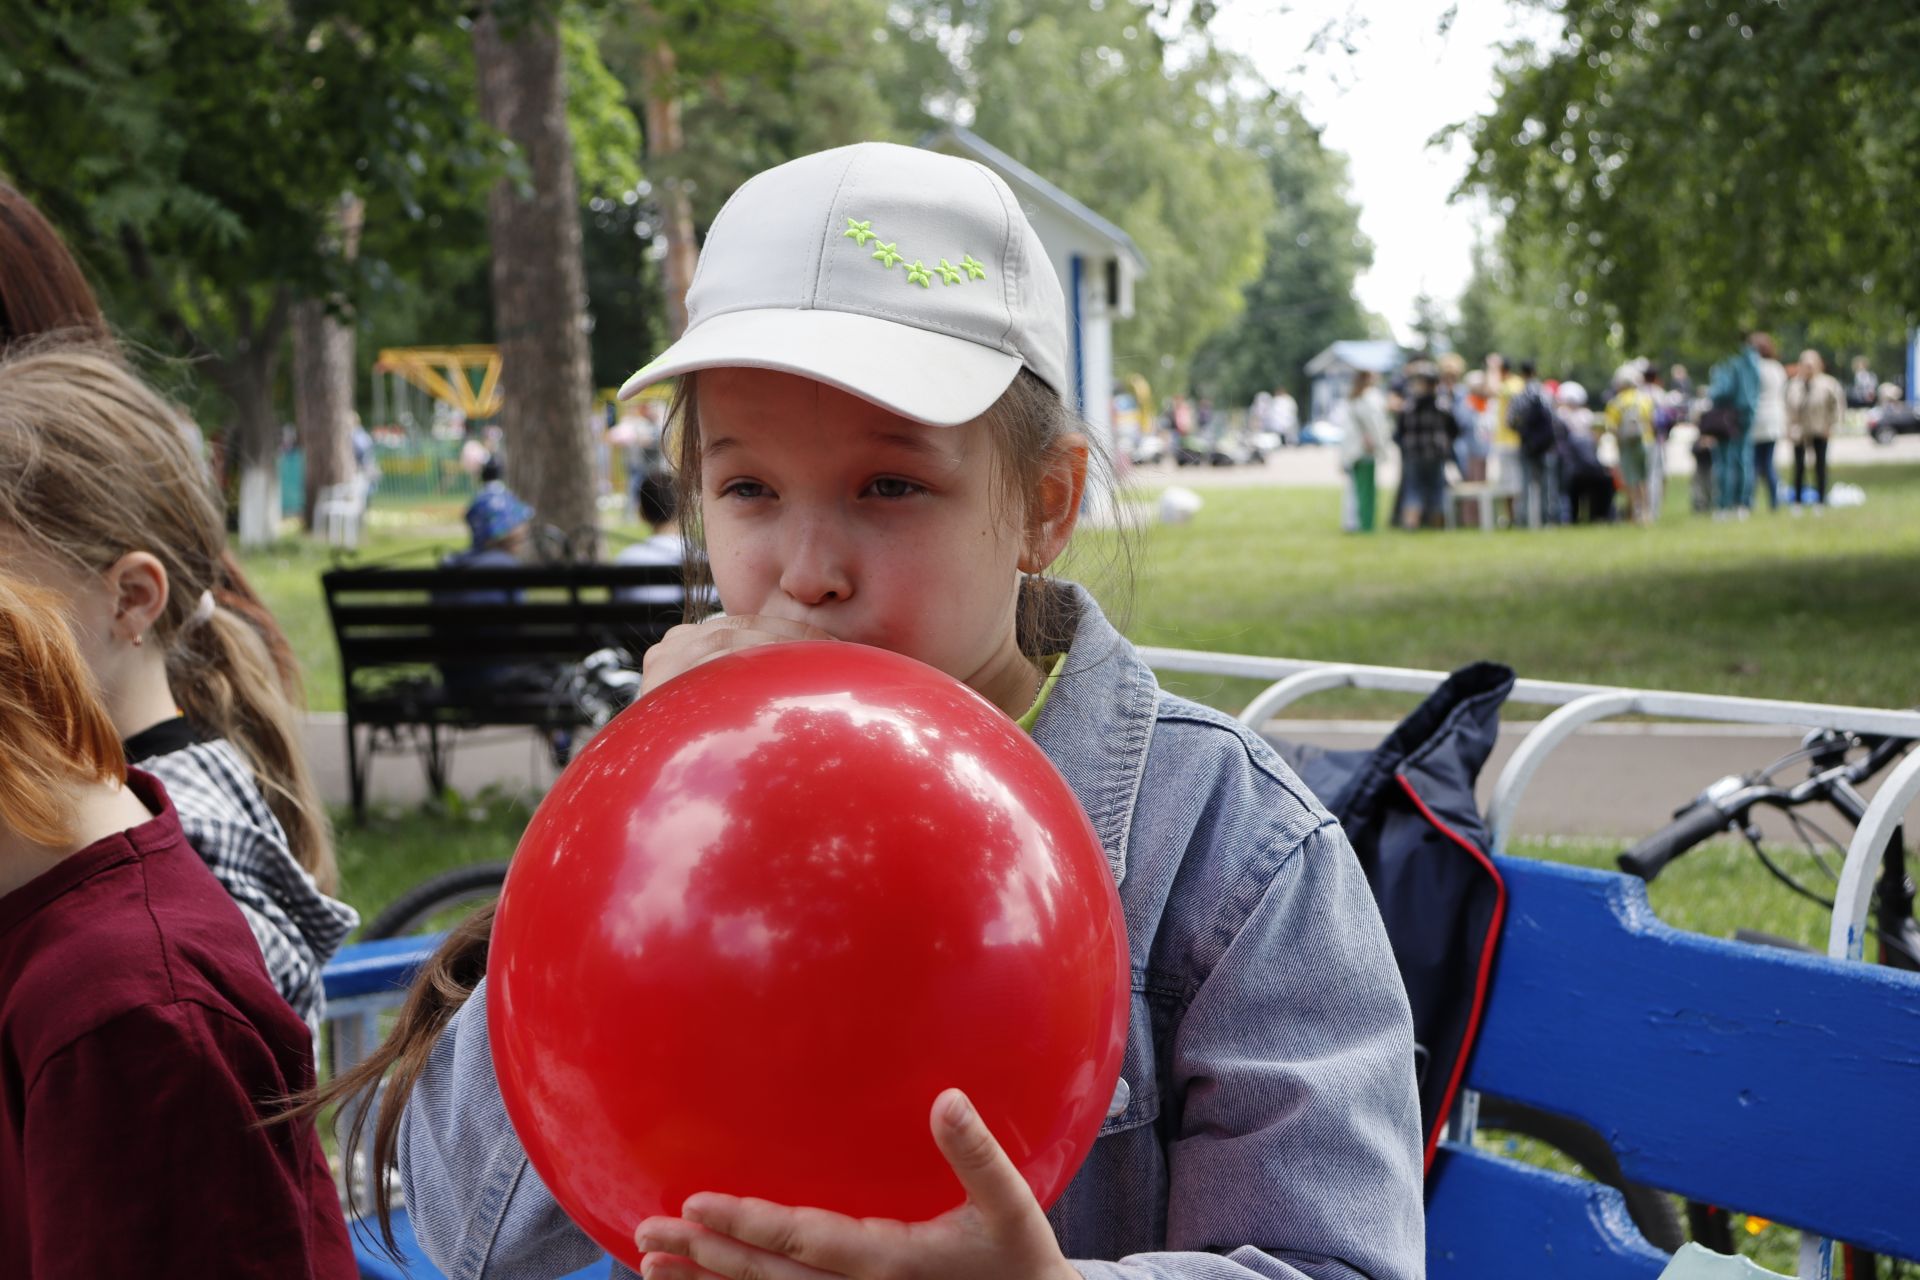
(1099, 721)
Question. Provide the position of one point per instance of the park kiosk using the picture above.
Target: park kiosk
(1332, 371)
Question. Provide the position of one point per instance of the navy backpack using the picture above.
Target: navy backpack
(1408, 808)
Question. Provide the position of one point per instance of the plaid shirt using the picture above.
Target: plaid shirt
(1427, 431)
(227, 822)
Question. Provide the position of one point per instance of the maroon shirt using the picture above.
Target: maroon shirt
(139, 1042)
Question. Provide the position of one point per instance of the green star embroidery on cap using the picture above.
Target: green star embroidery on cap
(918, 274)
(949, 273)
(886, 253)
(975, 270)
(859, 232)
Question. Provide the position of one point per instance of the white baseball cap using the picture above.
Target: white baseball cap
(906, 277)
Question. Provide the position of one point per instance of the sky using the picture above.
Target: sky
(1379, 104)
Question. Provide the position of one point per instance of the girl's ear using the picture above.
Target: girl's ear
(1057, 505)
(137, 583)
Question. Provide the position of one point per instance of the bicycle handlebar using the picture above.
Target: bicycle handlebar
(1728, 802)
(1648, 858)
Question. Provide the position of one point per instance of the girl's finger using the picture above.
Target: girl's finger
(992, 1183)
(829, 1241)
(667, 1266)
(690, 644)
(784, 628)
(720, 1254)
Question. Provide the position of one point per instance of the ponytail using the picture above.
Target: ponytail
(223, 676)
(443, 984)
(232, 592)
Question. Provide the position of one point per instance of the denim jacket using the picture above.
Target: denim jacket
(1271, 1127)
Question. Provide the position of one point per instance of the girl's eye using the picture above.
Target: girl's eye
(743, 489)
(894, 487)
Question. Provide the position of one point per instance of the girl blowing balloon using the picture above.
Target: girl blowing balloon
(141, 1038)
(874, 445)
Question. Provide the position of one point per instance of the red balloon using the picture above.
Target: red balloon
(775, 908)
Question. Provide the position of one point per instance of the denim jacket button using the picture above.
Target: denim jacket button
(1122, 1095)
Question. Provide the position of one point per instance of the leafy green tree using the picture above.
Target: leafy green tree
(1431, 330)
(728, 90)
(1525, 307)
(1695, 167)
(539, 286)
(1473, 333)
(440, 293)
(1150, 135)
(1303, 298)
(194, 155)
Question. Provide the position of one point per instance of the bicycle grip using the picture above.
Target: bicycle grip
(1650, 857)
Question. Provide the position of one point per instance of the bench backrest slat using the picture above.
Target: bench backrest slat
(1769, 1081)
(603, 577)
(1491, 1218)
(390, 617)
(425, 617)
(366, 968)
(481, 649)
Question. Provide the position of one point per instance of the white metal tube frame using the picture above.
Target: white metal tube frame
(1578, 705)
(1848, 936)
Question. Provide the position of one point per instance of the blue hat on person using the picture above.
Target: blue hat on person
(495, 513)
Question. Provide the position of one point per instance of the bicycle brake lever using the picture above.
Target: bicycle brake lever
(1715, 793)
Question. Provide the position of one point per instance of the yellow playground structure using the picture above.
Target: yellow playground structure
(447, 374)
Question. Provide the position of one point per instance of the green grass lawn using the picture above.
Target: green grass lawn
(1820, 609)
(1816, 609)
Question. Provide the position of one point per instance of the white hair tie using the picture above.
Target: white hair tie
(203, 610)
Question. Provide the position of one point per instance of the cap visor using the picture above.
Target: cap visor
(928, 377)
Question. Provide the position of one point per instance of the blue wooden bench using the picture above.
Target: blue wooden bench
(1766, 1081)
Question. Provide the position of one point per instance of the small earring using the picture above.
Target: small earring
(139, 639)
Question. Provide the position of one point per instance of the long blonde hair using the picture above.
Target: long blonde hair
(95, 464)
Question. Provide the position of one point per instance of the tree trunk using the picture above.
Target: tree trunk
(539, 294)
(323, 348)
(322, 399)
(253, 445)
(665, 141)
(253, 437)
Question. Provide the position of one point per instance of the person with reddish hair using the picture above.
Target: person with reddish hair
(42, 289)
(143, 1042)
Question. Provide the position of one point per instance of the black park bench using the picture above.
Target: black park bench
(427, 652)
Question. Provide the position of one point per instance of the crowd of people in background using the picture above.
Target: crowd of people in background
(1506, 445)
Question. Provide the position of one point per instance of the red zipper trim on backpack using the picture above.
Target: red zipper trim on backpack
(1481, 978)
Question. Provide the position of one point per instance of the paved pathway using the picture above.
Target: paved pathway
(1318, 466)
(1614, 780)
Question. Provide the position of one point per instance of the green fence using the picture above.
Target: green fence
(422, 469)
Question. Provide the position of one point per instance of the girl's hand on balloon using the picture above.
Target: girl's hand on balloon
(692, 643)
(1000, 1231)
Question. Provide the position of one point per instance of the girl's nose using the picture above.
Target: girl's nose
(816, 571)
